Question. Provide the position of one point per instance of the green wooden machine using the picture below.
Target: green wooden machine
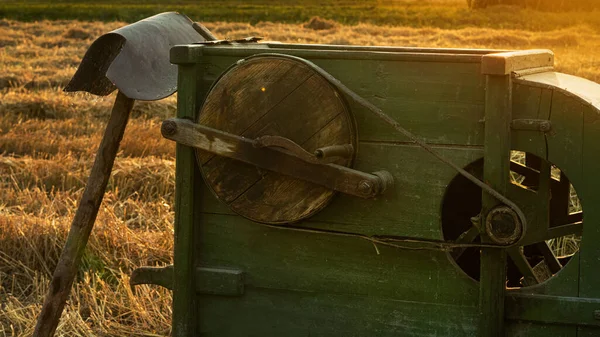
(379, 191)
(434, 231)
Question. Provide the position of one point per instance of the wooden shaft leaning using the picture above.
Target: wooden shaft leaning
(84, 219)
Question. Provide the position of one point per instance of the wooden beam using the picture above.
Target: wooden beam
(496, 173)
(553, 309)
(506, 63)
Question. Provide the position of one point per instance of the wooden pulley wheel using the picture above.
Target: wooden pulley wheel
(274, 96)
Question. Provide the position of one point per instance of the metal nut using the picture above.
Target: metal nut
(502, 225)
(545, 126)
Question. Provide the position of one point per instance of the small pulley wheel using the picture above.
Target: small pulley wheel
(502, 225)
(274, 96)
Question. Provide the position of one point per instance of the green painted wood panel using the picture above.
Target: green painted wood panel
(590, 247)
(274, 312)
(285, 259)
(411, 208)
(425, 97)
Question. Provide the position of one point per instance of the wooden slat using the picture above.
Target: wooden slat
(286, 259)
(435, 57)
(410, 208)
(553, 309)
(387, 48)
(424, 97)
(273, 312)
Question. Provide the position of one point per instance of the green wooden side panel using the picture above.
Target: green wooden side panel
(273, 313)
(412, 208)
(440, 102)
(286, 259)
(315, 284)
(590, 247)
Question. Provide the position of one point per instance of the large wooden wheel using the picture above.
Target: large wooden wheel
(273, 96)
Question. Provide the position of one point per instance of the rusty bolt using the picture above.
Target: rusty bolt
(545, 126)
(168, 128)
(365, 187)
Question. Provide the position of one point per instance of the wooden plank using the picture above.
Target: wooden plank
(211, 281)
(424, 97)
(184, 301)
(553, 310)
(274, 312)
(286, 259)
(585, 91)
(410, 208)
(496, 173)
(506, 63)
(434, 57)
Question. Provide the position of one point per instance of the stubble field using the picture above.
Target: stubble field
(48, 140)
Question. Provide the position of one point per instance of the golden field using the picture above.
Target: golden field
(47, 144)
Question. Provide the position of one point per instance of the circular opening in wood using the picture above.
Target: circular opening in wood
(532, 181)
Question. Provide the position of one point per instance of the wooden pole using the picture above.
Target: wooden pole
(83, 222)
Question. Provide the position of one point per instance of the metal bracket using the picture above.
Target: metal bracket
(541, 125)
(212, 281)
(553, 309)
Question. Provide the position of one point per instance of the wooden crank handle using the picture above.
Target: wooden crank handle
(83, 222)
(277, 158)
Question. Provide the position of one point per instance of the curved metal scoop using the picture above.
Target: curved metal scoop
(135, 58)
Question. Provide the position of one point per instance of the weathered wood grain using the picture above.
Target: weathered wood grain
(287, 259)
(274, 312)
(84, 219)
(508, 62)
(424, 97)
(273, 96)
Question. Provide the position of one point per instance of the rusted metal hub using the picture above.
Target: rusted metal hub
(502, 225)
